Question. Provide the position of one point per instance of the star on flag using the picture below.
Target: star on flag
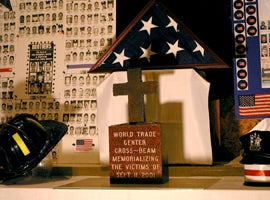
(174, 48)
(120, 58)
(199, 48)
(173, 24)
(148, 25)
(147, 53)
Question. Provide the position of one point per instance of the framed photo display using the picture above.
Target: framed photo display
(46, 49)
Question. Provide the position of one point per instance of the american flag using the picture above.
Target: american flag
(84, 144)
(155, 39)
(6, 3)
(256, 105)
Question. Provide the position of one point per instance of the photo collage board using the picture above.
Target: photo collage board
(265, 42)
(251, 28)
(46, 50)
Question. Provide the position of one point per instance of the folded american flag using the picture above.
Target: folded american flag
(156, 39)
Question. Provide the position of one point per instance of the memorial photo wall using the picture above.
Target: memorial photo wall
(46, 50)
(251, 28)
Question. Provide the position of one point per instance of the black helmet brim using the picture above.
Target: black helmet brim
(50, 132)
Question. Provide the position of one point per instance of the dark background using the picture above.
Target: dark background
(210, 20)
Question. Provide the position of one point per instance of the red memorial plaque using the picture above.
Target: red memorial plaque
(137, 154)
(136, 151)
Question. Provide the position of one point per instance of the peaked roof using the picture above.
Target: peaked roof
(156, 39)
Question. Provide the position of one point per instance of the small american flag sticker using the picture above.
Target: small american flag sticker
(256, 105)
(84, 144)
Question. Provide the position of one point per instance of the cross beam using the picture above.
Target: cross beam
(135, 89)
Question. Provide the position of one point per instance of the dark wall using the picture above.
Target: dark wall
(208, 19)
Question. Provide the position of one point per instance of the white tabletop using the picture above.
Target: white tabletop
(186, 182)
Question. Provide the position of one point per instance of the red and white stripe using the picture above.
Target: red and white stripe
(257, 173)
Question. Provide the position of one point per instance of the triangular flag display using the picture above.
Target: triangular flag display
(6, 3)
(154, 39)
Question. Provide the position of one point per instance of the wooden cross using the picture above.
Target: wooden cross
(135, 89)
